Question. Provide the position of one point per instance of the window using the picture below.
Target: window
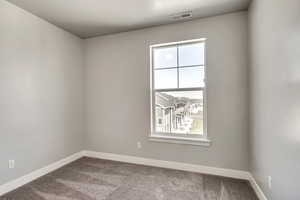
(178, 91)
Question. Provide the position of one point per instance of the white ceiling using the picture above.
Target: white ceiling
(88, 18)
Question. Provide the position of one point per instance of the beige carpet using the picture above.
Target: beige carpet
(95, 179)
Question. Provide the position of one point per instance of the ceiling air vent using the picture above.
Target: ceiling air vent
(182, 15)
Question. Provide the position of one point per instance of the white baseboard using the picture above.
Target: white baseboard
(260, 194)
(12, 185)
(238, 174)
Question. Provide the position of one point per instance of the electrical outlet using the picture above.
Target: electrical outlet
(139, 145)
(270, 182)
(11, 164)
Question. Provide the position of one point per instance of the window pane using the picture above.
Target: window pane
(179, 112)
(165, 57)
(190, 77)
(165, 78)
(191, 54)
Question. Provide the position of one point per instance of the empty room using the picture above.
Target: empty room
(150, 100)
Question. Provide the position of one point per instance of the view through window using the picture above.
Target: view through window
(178, 88)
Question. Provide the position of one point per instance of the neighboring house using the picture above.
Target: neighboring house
(178, 114)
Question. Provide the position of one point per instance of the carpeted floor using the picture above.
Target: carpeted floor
(95, 179)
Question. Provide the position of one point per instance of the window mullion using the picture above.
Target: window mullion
(177, 51)
(177, 66)
(180, 89)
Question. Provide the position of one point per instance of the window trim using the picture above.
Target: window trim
(170, 137)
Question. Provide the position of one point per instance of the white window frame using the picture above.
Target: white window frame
(172, 137)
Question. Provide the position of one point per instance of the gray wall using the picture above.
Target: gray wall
(275, 96)
(40, 92)
(118, 101)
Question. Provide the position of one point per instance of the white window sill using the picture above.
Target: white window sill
(180, 140)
